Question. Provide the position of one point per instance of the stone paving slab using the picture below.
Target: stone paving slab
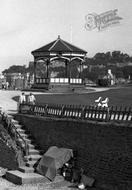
(58, 184)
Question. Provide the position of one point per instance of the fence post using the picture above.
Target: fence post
(83, 112)
(46, 106)
(31, 109)
(108, 113)
(128, 113)
(62, 110)
(19, 108)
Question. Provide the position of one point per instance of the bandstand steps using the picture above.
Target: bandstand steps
(40, 87)
(60, 88)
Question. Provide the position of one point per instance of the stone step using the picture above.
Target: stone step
(41, 152)
(33, 151)
(19, 178)
(27, 136)
(29, 141)
(15, 121)
(10, 117)
(24, 135)
(21, 131)
(17, 126)
(34, 157)
(31, 146)
(26, 169)
(30, 163)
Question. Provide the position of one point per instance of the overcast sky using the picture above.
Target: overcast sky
(26, 25)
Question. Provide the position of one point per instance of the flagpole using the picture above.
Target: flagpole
(71, 34)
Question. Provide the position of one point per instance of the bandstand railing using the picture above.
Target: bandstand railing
(42, 80)
(59, 80)
(79, 112)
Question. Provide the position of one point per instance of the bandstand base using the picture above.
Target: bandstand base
(58, 88)
(42, 86)
(62, 85)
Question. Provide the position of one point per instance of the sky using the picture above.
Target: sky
(26, 25)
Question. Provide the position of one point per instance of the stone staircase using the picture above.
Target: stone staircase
(26, 174)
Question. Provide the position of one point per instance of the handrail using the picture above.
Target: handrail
(12, 129)
(24, 141)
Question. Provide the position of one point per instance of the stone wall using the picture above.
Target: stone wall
(104, 149)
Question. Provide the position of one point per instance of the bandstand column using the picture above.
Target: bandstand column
(80, 73)
(47, 68)
(66, 68)
(69, 71)
(35, 62)
(81, 70)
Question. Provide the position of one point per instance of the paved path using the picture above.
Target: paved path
(6, 101)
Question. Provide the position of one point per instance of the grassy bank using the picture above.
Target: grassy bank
(7, 154)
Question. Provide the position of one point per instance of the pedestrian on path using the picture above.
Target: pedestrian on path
(22, 98)
(31, 99)
(7, 85)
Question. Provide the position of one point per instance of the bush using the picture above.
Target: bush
(103, 82)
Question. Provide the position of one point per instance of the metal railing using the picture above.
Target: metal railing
(11, 128)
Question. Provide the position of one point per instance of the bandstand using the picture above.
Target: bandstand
(58, 50)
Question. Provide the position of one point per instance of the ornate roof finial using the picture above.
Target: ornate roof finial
(58, 36)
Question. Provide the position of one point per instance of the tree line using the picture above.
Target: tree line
(108, 58)
(96, 66)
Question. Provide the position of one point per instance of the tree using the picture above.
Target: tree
(100, 58)
(15, 69)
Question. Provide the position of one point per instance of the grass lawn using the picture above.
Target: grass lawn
(118, 97)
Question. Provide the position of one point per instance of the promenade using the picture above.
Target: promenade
(6, 102)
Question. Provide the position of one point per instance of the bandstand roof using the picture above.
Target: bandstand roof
(57, 47)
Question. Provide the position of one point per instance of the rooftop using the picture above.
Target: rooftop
(59, 45)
